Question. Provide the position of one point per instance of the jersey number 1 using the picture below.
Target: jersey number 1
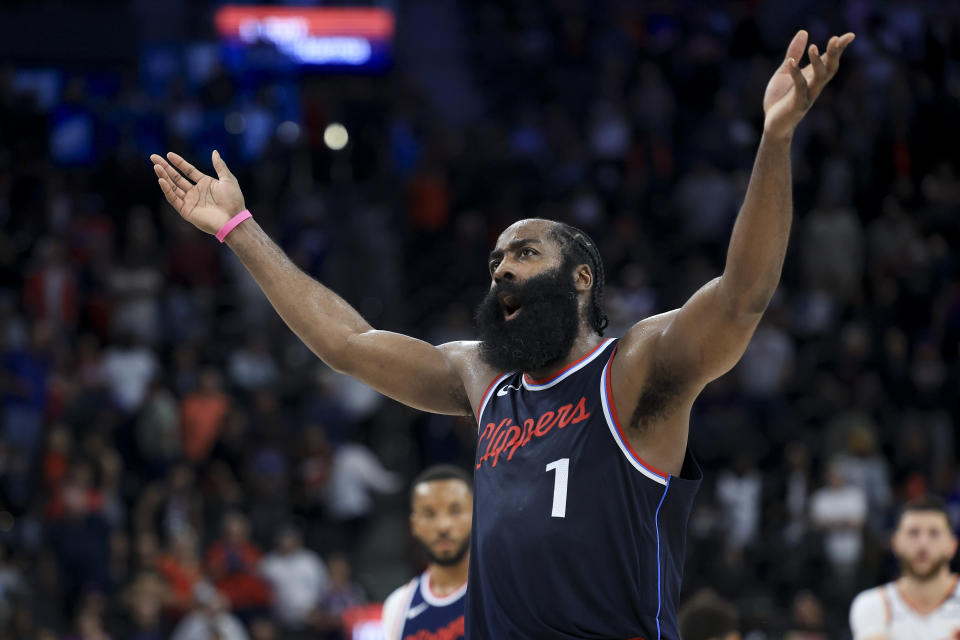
(562, 467)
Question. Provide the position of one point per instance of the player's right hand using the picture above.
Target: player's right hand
(204, 202)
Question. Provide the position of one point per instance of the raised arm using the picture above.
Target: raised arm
(707, 336)
(411, 371)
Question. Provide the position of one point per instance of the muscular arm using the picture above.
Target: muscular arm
(404, 368)
(664, 362)
(707, 336)
(408, 370)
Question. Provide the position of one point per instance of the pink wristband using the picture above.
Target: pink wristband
(232, 224)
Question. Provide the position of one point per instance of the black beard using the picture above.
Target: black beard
(450, 561)
(935, 568)
(542, 333)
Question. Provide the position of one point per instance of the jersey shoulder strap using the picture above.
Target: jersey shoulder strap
(395, 609)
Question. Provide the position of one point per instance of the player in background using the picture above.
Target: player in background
(924, 602)
(583, 483)
(431, 606)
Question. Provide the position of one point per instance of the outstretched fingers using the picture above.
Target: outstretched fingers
(164, 169)
(177, 181)
(170, 192)
(816, 63)
(799, 81)
(796, 46)
(835, 47)
(220, 166)
(185, 167)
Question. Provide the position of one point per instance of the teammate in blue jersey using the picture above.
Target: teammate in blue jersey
(431, 606)
(583, 482)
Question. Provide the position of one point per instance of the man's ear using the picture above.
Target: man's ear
(583, 278)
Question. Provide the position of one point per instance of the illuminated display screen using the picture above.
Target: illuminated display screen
(336, 38)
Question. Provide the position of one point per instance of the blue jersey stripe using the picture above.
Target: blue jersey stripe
(656, 519)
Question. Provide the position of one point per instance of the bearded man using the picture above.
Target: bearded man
(924, 601)
(583, 483)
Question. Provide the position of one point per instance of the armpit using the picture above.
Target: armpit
(662, 389)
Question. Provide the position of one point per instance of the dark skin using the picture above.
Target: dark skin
(662, 363)
(440, 518)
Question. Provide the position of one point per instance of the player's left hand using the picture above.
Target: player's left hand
(792, 90)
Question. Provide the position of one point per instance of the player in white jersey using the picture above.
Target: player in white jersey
(431, 606)
(924, 602)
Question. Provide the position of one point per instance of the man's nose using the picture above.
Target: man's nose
(504, 271)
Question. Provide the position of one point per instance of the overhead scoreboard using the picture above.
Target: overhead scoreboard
(341, 39)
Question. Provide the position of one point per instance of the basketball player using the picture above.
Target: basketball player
(431, 606)
(924, 602)
(583, 483)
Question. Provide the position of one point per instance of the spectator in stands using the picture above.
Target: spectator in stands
(355, 475)
(297, 577)
(210, 618)
(202, 413)
(142, 619)
(128, 368)
(233, 565)
(182, 570)
(342, 594)
(808, 619)
(706, 616)
(80, 540)
(839, 510)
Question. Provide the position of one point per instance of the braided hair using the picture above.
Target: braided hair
(579, 248)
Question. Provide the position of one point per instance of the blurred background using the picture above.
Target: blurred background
(169, 451)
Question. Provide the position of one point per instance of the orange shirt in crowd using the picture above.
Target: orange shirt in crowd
(181, 578)
(201, 416)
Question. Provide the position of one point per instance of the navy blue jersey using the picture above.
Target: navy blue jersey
(414, 612)
(574, 536)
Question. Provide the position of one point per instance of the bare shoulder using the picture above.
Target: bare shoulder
(642, 336)
(464, 356)
(644, 380)
(638, 354)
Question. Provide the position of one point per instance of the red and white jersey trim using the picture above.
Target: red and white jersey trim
(613, 422)
(539, 385)
(426, 590)
(489, 394)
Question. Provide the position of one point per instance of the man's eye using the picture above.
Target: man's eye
(527, 251)
(494, 264)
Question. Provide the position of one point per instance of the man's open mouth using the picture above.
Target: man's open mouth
(510, 306)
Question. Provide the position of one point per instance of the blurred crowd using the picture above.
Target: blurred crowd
(174, 463)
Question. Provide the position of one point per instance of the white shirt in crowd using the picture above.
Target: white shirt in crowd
(299, 579)
(884, 612)
(356, 472)
(835, 505)
(201, 625)
(128, 373)
(740, 496)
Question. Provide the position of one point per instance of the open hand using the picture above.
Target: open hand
(204, 202)
(792, 90)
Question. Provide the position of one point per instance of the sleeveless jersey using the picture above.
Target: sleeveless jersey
(413, 612)
(574, 536)
(885, 611)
